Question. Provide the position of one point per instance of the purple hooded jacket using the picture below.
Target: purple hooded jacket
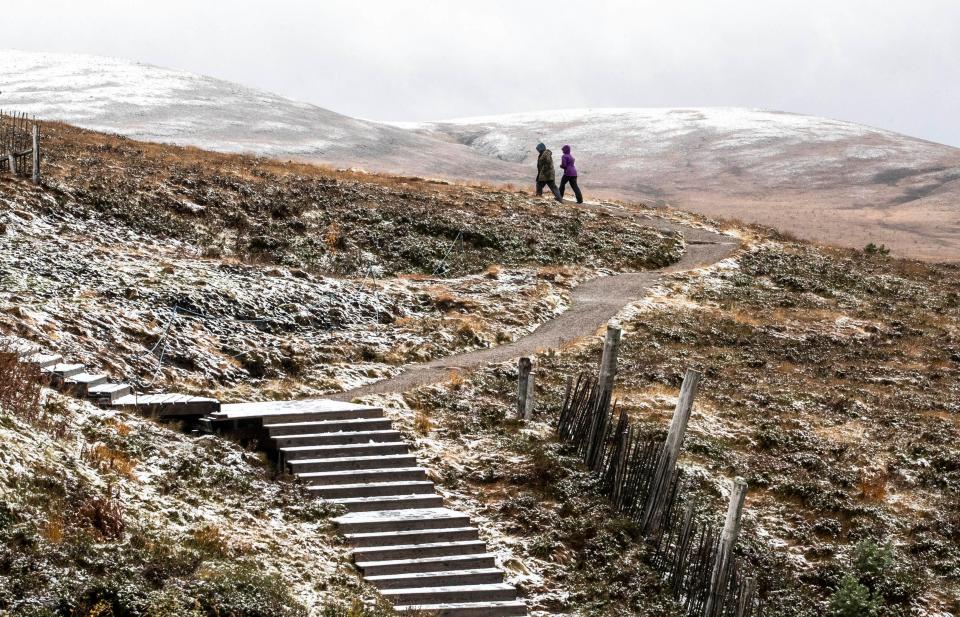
(566, 163)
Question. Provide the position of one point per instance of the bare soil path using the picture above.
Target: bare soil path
(593, 304)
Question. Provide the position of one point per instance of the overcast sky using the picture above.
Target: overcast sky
(891, 64)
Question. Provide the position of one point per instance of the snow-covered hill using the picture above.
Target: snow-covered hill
(157, 104)
(818, 178)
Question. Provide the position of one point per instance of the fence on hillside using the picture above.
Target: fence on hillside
(639, 474)
(20, 144)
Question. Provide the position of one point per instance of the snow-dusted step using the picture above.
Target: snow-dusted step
(80, 384)
(44, 360)
(60, 371)
(429, 564)
(416, 536)
(390, 502)
(351, 449)
(480, 576)
(493, 592)
(168, 404)
(358, 476)
(401, 520)
(106, 394)
(419, 551)
(341, 463)
(270, 413)
(328, 426)
(507, 608)
(341, 438)
(372, 489)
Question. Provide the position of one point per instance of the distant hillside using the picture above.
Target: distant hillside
(822, 179)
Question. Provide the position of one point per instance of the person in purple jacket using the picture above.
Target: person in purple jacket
(569, 174)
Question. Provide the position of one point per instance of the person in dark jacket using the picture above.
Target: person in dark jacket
(546, 175)
(569, 174)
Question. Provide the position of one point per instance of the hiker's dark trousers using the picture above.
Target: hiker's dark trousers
(551, 184)
(573, 184)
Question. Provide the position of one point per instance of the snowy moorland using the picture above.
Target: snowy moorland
(819, 178)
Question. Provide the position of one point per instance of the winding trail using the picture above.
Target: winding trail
(592, 304)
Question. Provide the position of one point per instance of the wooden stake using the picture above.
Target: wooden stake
(746, 597)
(525, 366)
(728, 539)
(608, 361)
(36, 153)
(529, 401)
(663, 476)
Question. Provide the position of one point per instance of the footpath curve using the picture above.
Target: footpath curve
(592, 304)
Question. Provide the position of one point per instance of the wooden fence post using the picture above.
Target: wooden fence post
(608, 361)
(529, 401)
(36, 153)
(13, 162)
(660, 485)
(746, 597)
(728, 539)
(525, 366)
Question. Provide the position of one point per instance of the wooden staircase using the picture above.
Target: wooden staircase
(418, 553)
(73, 379)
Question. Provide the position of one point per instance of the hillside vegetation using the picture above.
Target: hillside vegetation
(831, 385)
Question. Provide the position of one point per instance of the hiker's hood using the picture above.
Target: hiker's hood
(566, 149)
(541, 147)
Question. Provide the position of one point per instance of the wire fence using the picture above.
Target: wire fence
(690, 550)
(19, 144)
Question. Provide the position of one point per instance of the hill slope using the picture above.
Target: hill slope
(821, 179)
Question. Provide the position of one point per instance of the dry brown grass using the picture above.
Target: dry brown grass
(53, 529)
(104, 515)
(20, 387)
(333, 237)
(872, 485)
(210, 539)
(422, 423)
(106, 458)
(553, 271)
(455, 379)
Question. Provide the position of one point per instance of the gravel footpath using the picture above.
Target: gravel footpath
(593, 304)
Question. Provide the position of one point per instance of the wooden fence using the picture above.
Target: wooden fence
(20, 144)
(639, 473)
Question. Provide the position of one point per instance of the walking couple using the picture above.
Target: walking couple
(546, 175)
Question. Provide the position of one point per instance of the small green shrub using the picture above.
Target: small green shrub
(853, 599)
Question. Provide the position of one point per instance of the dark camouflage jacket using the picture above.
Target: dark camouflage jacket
(545, 171)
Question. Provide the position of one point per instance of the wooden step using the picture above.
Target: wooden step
(429, 564)
(390, 502)
(295, 453)
(479, 576)
(358, 476)
(44, 360)
(507, 608)
(401, 520)
(168, 405)
(326, 416)
(419, 551)
(416, 536)
(106, 394)
(57, 373)
(79, 384)
(341, 463)
(329, 426)
(491, 592)
(341, 438)
(372, 489)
